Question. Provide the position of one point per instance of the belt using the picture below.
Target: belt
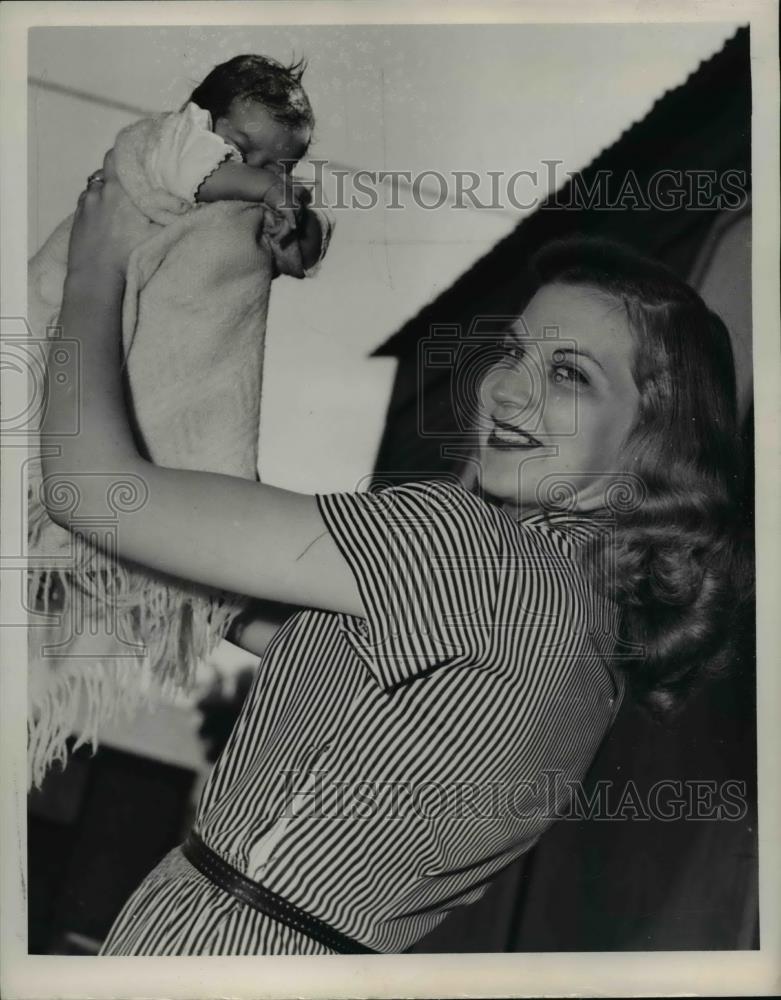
(232, 881)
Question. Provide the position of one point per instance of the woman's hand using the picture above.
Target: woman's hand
(107, 227)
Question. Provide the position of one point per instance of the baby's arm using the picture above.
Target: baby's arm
(242, 182)
(232, 181)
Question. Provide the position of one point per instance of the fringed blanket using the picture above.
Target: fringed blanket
(104, 635)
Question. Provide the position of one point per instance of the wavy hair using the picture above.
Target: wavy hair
(278, 88)
(680, 562)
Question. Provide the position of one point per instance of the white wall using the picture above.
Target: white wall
(395, 97)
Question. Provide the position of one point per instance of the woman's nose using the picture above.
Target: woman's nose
(512, 387)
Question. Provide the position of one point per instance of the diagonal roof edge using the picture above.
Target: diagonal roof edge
(699, 79)
(685, 98)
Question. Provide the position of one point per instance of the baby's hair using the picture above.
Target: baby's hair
(679, 561)
(277, 87)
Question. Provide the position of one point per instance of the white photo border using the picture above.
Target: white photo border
(462, 975)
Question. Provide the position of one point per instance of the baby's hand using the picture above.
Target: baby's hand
(303, 198)
(282, 198)
(302, 193)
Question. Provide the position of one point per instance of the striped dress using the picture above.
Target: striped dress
(384, 769)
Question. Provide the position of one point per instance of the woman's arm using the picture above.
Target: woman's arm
(212, 529)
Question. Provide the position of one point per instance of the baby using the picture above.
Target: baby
(238, 138)
(216, 178)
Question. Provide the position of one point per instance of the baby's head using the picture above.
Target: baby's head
(259, 106)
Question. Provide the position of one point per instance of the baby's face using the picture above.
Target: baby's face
(262, 140)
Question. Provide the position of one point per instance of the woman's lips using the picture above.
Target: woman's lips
(508, 437)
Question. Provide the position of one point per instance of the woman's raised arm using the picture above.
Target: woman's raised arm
(210, 529)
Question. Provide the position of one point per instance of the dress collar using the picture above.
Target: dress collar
(555, 516)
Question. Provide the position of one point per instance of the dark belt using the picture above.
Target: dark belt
(232, 881)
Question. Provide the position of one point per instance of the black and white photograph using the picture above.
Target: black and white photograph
(390, 474)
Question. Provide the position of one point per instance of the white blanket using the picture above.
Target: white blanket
(104, 634)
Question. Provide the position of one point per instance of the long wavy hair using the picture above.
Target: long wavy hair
(679, 559)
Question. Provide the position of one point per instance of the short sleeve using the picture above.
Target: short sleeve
(418, 554)
(186, 152)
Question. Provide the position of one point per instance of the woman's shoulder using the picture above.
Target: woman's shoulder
(448, 500)
(566, 529)
(476, 543)
(468, 530)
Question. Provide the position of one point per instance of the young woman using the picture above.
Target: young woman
(465, 651)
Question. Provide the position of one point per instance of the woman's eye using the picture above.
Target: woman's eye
(566, 373)
(513, 349)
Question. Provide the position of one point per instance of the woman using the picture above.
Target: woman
(465, 652)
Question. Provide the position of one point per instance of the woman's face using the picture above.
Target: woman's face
(558, 407)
